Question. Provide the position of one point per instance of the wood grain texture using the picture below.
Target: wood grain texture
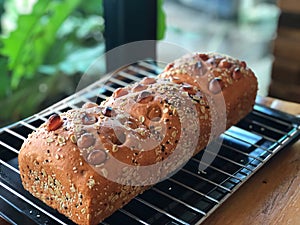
(287, 48)
(290, 92)
(272, 195)
(290, 33)
(286, 71)
(289, 5)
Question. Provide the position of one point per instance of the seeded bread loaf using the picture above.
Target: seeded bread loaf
(89, 162)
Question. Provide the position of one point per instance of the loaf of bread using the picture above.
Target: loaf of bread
(89, 162)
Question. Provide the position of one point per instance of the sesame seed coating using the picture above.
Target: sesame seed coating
(91, 161)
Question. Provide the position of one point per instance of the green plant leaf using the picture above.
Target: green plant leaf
(4, 78)
(92, 7)
(32, 98)
(27, 46)
(161, 20)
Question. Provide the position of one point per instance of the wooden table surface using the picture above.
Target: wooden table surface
(272, 195)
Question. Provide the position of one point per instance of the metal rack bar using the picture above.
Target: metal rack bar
(216, 169)
(27, 125)
(205, 179)
(31, 203)
(15, 134)
(229, 160)
(179, 201)
(161, 211)
(133, 216)
(260, 147)
(9, 166)
(129, 76)
(193, 190)
(255, 112)
(9, 147)
(140, 71)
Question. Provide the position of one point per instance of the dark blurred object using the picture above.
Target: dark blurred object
(129, 21)
(1, 12)
(286, 67)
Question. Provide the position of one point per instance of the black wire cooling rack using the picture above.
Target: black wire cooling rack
(188, 197)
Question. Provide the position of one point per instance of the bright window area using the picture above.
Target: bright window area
(243, 29)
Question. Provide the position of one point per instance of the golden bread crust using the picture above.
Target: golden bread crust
(89, 162)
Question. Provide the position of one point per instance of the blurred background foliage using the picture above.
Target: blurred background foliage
(45, 47)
